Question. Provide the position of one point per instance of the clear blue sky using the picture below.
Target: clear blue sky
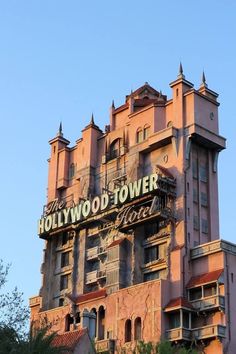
(63, 60)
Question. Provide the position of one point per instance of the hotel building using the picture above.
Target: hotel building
(131, 228)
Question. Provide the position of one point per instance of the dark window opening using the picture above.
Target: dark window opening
(174, 320)
(151, 254)
(61, 302)
(185, 319)
(64, 238)
(195, 294)
(68, 322)
(101, 323)
(128, 331)
(65, 259)
(232, 277)
(77, 317)
(115, 149)
(151, 276)
(151, 229)
(137, 328)
(64, 282)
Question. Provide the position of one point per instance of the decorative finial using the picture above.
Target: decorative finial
(203, 79)
(60, 130)
(181, 72)
(146, 83)
(92, 120)
(160, 93)
(113, 104)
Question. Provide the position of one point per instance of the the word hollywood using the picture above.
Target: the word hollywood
(56, 216)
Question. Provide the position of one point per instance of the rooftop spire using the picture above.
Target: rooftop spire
(113, 104)
(92, 120)
(60, 130)
(181, 72)
(203, 79)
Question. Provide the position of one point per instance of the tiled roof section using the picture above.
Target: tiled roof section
(68, 340)
(116, 242)
(165, 171)
(204, 278)
(178, 303)
(91, 296)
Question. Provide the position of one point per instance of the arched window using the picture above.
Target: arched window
(139, 135)
(128, 331)
(115, 149)
(137, 329)
(68, 322)
(72, 171)
(146, 132)
(101, 322)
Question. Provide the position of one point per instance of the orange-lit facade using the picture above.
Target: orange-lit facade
(131, 227)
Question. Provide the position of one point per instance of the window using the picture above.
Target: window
(210, 290)
(64, 238)
(151, 275)
(194, 169)
(203, 199)
(72, 171)
(61, 302)
(146, 132)
(137, 329)
(115, 149)
(139, 135)
(128, 331)
(175, 320)
(203, 173)
(151, 229)
(195, 294)
(65, 259)
(204, 226)
(68, 322)
(196, 222)
(151, 254)
(195, 195)
(64, 282)
(185, 319)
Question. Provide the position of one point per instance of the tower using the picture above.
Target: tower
(131, 226)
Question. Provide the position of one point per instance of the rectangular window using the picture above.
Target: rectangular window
(203, 173)
(203, 199)
(175, 320)
(195, 294)
(204, 226)
(64, 238)
(195, 195)
(196, 222)
(194, 168)
(151, 254)
(65, 259)
(151, 275)
(209, 290)
(64, 282)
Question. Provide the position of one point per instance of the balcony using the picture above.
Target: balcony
(91, 277)
(210, 331)
(208, 303)
(212, 247)
(105, 345)
(94, 276)
(35, 301)
(179, 334)
(95, 252)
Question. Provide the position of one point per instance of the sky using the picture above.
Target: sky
(63, 60)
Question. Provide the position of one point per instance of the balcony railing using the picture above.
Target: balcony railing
(212, 247)
(35, 301)
(95, 252)
(179, 334)
(209, 332)
(91, 277)
(105, 345)
(209, 303)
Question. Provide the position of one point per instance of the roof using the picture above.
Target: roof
(116, 242)
(90, 296)
(142, 88)
(205, 278)
(178, 302)
(165, 171)
(68, 339)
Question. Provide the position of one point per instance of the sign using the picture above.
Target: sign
(57, 215)
(134, 215)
